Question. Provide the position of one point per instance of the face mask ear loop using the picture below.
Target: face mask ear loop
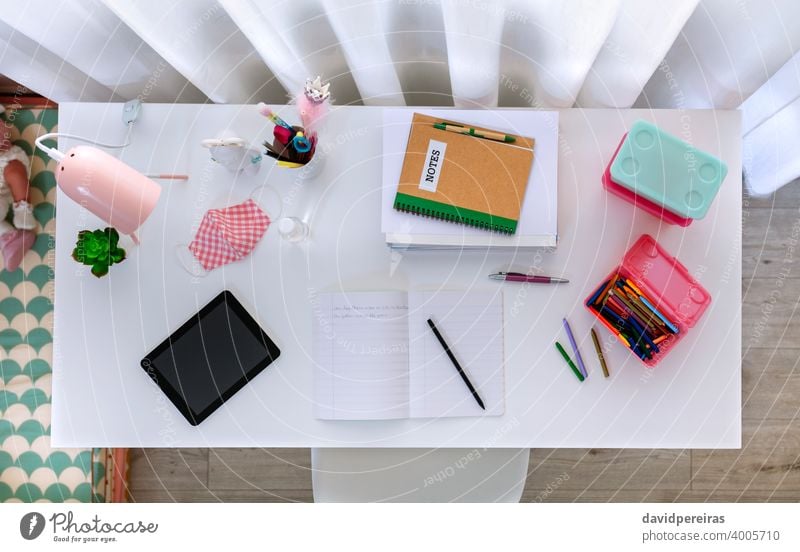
(278, 197)
(181, 251)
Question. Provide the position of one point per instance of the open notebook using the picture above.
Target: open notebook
(376, 358)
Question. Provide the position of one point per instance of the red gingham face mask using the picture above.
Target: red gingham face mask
(229, 234)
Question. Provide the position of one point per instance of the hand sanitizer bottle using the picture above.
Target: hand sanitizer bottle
(292, 229)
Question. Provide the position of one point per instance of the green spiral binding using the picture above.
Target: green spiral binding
(450, 213)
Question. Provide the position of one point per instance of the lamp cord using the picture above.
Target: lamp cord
(58, 156)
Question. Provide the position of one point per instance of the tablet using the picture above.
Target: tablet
(210, 357)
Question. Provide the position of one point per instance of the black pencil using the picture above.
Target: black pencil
(456, 364)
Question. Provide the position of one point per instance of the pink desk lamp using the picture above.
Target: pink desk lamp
(115, 192)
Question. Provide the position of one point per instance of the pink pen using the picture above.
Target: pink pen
(519, 277)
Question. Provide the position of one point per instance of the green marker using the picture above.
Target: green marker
(569, 361)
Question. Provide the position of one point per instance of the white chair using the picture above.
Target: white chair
(418, 475)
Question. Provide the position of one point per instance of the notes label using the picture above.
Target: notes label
(429, 179)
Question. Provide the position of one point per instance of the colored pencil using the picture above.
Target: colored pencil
(669, 324)
(569, 362)
(593, 299)
(600, 356)
(633, 286)
(608, 286)
(575, 349)
(631, 316)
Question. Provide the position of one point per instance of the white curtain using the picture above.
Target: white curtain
(472, 53)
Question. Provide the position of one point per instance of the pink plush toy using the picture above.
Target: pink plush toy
(313, 104)
(17, 237)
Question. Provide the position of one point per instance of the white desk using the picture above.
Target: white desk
(103, 327)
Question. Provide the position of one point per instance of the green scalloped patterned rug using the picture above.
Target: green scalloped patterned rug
(30, 470)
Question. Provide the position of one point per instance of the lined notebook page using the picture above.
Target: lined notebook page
(472, 325)
(360, 352)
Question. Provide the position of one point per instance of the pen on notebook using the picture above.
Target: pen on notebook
(519, 277)
(456, 364)
(488, 134)
(575, 348)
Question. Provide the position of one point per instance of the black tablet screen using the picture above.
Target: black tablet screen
(211, 356)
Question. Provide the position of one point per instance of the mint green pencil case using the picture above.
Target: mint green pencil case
(665, 170)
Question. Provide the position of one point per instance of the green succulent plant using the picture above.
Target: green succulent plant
(98, 249)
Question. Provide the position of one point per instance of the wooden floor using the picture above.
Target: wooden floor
(767, 468)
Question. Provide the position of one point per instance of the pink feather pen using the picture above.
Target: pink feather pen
(313, 104)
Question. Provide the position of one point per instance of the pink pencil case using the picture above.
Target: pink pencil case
(668, 285)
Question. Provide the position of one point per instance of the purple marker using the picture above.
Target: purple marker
(575, 348)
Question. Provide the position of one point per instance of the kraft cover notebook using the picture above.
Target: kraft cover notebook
(538, 218)
(375, 356)
(463, 178)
